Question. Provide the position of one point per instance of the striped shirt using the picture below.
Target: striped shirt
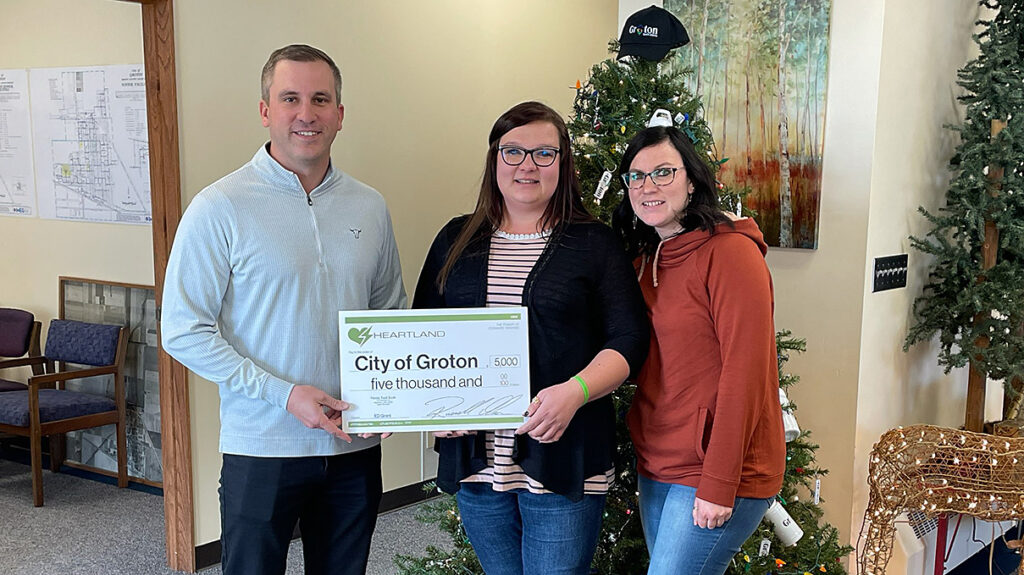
(510, 261)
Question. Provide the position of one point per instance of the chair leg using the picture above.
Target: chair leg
(36, 450)
(57, 443)
(122, 454)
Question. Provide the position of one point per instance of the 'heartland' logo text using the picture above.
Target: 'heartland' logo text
(649, 31)
(362, 335)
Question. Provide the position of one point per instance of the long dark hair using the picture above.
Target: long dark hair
(565, 206)
(702, 212)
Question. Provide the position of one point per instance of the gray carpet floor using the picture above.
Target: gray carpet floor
(88, 527)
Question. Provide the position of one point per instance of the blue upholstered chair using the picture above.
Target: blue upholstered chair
(46, 410)
(19, 336)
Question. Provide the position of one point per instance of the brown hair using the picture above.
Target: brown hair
(298, 53)
(564, 207)
(703, 210)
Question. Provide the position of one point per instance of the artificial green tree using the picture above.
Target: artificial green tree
(974, 297)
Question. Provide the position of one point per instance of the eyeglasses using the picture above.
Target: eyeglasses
(660, 177)
(514, 155)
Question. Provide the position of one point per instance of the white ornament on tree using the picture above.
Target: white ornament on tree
(788, 419)
(661, 117)
(783, 524)
(602, 186)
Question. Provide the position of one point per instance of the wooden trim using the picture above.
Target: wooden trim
(33, 342)
(62, 279)
(165, 186)
(81, 422)
(72, 374)
(22, 457)
(63, 425)
(112, 474)
(22, 361)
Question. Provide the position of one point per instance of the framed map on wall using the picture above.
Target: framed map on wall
(133, 306)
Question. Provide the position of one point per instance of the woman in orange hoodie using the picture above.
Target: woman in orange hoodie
(706, 421)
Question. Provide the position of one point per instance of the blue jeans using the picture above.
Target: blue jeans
(676, 545)
(522, 533)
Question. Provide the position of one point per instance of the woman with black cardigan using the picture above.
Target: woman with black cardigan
(532, 498)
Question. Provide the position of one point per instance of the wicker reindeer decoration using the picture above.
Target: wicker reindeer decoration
(937, 470)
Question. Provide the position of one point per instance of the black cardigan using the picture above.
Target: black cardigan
(583, 297)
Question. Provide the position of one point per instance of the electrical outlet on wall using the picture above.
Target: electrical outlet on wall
(890, 272)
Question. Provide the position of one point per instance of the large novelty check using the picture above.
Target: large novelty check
(434, 369)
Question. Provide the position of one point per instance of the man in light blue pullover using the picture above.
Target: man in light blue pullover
(262, 261)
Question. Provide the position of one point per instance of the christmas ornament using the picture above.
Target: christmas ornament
(788, 419)
(785, 528)
(602, 187)
(661, 117)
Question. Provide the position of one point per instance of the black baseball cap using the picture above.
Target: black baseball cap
(651, 33)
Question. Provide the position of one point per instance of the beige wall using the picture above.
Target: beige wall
(924, 42)
(819, 293)
(423, 82)
(49, 33)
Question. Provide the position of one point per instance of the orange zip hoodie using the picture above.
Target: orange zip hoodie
(706, 411)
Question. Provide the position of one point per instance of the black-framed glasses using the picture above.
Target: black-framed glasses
(515, 155)
(634, 180)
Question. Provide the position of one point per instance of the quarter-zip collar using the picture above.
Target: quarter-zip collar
(288, 180)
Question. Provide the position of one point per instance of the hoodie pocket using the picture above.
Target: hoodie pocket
(701, 432)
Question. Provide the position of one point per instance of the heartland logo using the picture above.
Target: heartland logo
(363, 334)
(648, 31)
(359, 335)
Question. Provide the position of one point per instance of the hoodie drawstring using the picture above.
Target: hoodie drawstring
(654, 264)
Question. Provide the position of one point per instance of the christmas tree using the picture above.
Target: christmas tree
(459, 560)
(974, 298)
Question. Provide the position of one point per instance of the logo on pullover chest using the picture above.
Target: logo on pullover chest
(355, 232)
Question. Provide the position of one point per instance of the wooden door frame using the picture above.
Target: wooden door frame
(165, 193)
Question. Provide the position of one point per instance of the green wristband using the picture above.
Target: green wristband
(583, 385)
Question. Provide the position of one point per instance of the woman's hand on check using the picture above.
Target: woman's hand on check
(551, 411)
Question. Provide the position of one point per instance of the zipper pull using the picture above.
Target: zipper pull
(309, 200)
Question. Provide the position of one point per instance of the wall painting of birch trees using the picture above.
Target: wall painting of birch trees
(760, 67)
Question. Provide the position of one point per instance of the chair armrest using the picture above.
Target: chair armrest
(34, 360)
(73, 374)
